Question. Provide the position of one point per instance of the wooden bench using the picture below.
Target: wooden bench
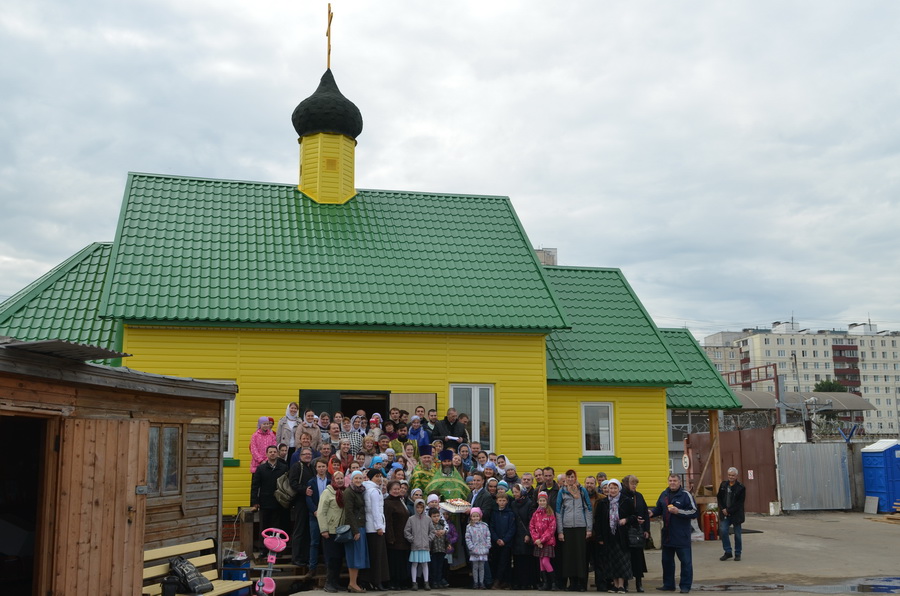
(202, 554)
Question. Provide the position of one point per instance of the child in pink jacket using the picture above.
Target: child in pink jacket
(543, 534)
(261, 440)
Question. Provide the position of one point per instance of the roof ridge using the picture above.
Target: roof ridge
(583, 268)
(12, 304)
(292, 185)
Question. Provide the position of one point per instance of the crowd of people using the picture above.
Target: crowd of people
(402, 500)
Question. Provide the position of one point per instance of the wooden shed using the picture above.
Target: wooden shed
(99, 464)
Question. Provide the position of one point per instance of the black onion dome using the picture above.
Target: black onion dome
(327, 110)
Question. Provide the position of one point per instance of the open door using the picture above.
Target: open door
(99, 515)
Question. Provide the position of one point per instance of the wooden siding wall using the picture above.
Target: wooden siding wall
(99, 518)
(271, 366)
(196, 513)
(640, 430)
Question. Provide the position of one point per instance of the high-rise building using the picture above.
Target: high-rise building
(861, 358)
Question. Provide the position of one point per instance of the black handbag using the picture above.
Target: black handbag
(191, 580)
(636, 537)
(343, 534)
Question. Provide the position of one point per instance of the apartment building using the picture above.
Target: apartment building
(861, 358)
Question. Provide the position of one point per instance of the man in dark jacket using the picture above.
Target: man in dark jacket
(449, 430)
(262, 491)
(481, 498)
(731, 513)
(677, 508)
(300, 474)
(314, 489)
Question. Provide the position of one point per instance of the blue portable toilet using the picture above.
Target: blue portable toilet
(881, 472)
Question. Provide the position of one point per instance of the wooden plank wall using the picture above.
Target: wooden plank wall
(84, 481)
(196, 516)
(99, 518)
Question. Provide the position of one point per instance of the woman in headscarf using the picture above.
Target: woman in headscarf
(308, 425)
(610, 526)
(358, 423)
(357, 549)
(465, 453)
(261, 440)
(417, 432)
(286, 427)
(638, 561)
(355, 438)
(410, 500)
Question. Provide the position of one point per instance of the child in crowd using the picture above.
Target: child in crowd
(452, 539)
(478, 541)
(419, 532)
(503, 533)
(543, 534)
(438, 548)
(261, 440)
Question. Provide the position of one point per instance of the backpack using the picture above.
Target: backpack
(191, 580)
(284, 494)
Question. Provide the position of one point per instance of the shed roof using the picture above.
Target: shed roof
(17, 360)
(612, 340)
(200, 251)
(708, 390)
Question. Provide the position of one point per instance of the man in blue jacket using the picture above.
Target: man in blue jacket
(677, 508)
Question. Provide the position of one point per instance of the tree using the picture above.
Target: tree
(832, 386)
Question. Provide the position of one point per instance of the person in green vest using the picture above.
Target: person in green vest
(446, 481)
(403, 439)
(424, 472)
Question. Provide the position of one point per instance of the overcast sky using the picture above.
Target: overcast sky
(738, 160)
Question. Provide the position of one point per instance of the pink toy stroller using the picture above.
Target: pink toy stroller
(276, 541)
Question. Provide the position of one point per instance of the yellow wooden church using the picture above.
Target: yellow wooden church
(344, 298)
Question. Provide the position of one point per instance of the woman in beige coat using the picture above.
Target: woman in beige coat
(330, 516)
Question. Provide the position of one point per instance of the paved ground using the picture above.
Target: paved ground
(792, 554)
(800, 549)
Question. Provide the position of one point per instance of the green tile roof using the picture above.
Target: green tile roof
(612, 340)
(63, 304)
(708, 390)
(212, 251)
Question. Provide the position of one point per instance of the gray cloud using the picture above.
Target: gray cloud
(737, 160)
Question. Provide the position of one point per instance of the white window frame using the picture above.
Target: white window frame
(228, 449)
(612, 430)
(475, 414)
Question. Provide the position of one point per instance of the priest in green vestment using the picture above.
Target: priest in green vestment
(446, 481)
(424, 472)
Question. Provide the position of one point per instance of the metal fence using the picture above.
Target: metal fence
(813, 476)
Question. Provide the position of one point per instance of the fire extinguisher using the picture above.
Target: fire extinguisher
(711, 525)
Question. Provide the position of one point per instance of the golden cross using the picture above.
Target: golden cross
(328, 33)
